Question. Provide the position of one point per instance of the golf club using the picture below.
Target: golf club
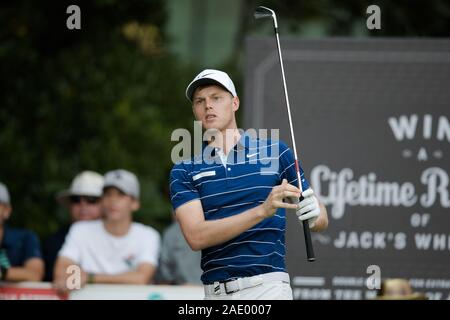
(264, 12)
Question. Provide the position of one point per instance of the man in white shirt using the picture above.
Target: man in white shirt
(114, 249)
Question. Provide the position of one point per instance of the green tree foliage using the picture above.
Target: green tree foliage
(319, 18)
(101, 98)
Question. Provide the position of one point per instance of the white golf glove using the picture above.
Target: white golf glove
(308, 208)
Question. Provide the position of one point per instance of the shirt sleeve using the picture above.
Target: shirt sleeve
(32, 247)
(151, 245)
(165, 273)
(181, 187)
(71, 248)
(287, 167)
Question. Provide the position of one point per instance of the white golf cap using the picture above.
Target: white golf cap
(86, 183)
(123, 180)
(210, 76)
(4, 194)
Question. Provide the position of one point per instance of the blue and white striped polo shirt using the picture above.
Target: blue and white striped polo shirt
(253, 168)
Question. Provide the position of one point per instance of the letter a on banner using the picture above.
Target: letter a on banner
(74, 20)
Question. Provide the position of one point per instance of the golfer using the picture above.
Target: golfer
(231, 206)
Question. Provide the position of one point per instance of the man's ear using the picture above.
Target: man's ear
(7, 212)
(236, 103)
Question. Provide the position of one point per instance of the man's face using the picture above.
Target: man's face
(85, 208)
(215, 107)
(5, 211)
(118, 206)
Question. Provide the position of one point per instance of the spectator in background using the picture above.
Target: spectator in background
(178, 263)
(398, 289)
(114, 249)
(83, 202)
(20, 255)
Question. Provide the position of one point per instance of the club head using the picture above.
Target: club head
(263, 12)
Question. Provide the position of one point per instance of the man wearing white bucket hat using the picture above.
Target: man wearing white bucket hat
(83, 203)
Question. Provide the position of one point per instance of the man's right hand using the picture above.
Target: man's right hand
(276, 196)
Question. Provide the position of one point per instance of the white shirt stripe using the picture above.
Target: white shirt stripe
(243, 266)
(230, 206)
(203, 169)
(262, 229)
(232, 191)
(236, 177)
(245, 255)
(170, 185)
(181, 192)
(259, 160)
(287, 168)
(235, 243)
(258, 147)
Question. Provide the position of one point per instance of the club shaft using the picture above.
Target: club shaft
(288, 106)
(309, 247)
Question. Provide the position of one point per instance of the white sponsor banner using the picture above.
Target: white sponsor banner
(135, 292)
(45, 291)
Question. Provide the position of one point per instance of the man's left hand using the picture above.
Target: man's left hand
(308, 208)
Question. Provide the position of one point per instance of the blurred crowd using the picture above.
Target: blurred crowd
(102, 243)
